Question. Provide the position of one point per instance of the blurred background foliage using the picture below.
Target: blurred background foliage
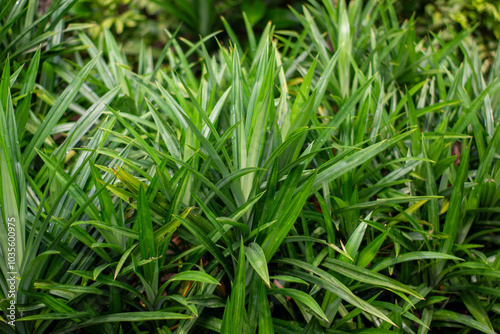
(447, 16)
(135, 20)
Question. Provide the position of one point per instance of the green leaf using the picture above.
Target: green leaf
(453, 216)
(58, 109)
(412, 256)
(209, 244)
(450, 316)
(257, 259)
(330, 283)
(196, 276)
(476, 308)
(302, 297)
(265, 319)
(370, 251)
(235, 308)
(146, 236)
(367, 276)
(131, 317)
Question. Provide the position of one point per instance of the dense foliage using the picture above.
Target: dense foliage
(446, 17)
(341, 177)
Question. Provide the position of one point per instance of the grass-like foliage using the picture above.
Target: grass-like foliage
(342, 178)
